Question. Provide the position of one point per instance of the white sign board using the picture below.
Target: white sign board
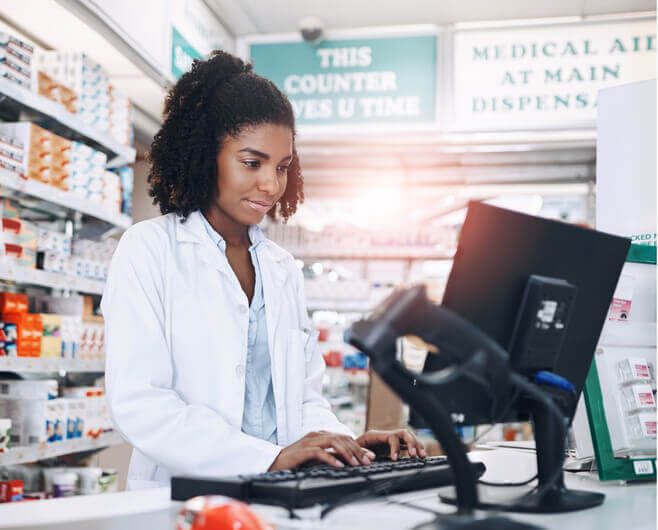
(546, 76)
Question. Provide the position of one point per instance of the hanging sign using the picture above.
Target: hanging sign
(546, 76)
(348, 81)
(195, 32)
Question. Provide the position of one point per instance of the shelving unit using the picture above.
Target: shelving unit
(18, 101)
(60, 199)
(50, 364)
(34, 453)
(399, 253)
(39, 199)
(55, 280)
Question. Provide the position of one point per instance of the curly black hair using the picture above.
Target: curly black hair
(218, 97)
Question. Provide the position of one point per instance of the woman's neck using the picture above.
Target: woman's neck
(234, 233)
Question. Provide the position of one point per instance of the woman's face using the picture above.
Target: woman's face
(252, 171)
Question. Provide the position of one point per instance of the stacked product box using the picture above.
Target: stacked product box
(92, 341)
(50, 88)
(111, 192)
(9, 330)
(31, 149)
(70, 311)
(87, 169)
(5, 434)
(91, 259)
(96, 418)
(87, 79)
(18, 240)
(126, 176)
(51, 341)
(29, 327)
(16, 60)
(53, 251)
(71, 334)
(121, 117)
(35, 153)
(26, 403)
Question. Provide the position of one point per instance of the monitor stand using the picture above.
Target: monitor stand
(550, 495)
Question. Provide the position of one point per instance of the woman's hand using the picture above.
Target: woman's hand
(390, 441)
(325, 447)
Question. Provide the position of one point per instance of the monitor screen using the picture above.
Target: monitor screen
(498, 251)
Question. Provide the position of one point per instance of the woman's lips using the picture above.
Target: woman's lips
(262, 207)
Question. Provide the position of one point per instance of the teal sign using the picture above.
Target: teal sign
(182, 53)
(378, 80)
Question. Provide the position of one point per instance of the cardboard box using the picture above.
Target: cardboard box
(385, 408)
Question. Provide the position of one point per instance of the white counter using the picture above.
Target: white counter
(631, 507)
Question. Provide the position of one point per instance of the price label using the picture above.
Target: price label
(643, 467)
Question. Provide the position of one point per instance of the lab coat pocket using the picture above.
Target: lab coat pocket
(307, 339)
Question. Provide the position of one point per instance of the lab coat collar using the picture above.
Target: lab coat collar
(194, 231)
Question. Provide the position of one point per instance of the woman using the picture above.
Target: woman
(212, 367)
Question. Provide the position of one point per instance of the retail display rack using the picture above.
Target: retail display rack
(50, 364)
(34, 453)
(18, 102)
(56, 202)
(45, 201)
(392, 253)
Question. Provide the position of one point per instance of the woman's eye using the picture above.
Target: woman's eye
(283, 169)
(251, 163)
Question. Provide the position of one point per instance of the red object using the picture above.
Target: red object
(333, 358)
(11, 491)
(214, 512)
(13, 303)
(323, 334)
(510, 435)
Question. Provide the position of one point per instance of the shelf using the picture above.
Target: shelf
(50, 364)
(55, 280)
(34, 453)
(64, 199)
(22, 102)
(355, 306)
(392, 253)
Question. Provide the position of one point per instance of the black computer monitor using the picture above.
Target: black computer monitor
(498, 251)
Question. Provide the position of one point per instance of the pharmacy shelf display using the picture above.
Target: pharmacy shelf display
(372, 253)
(65, 199)
(34, 453)
(50, 364)
(55, 280)
(16, 100)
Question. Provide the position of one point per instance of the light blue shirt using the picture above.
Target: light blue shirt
(259, 416)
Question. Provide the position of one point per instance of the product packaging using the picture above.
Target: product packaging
(64, 483)
(28, 418)
(5, 434)
(11, 490)
(638, 398)
(37, 148)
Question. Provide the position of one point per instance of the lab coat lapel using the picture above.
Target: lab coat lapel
(193, 231)
(273, 275)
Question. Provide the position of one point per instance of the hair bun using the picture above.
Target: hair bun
(227, 64)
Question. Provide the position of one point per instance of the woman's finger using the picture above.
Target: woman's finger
(410, 440)
(394, 445)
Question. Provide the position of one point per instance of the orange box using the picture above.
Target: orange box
(29, 330)
(13, 303)
(60, 162)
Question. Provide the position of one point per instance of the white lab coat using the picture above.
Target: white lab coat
(176, 323)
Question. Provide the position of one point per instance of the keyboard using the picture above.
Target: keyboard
(323, 484)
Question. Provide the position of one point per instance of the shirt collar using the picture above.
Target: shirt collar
(256, 235)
